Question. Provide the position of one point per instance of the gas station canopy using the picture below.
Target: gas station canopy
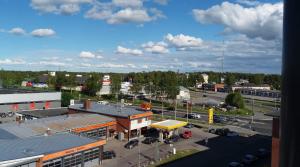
(168, 124)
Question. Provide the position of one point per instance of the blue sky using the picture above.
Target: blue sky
(141, 35)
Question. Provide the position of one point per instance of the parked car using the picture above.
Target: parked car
(186, 134)
(102, 102)
(150, 140)
(131, 144)
(172, 139)
(195, 115)
(262, 152)
(235, 164)
(219, 119)
(152, 132)
(189, 126)
(249, 159)
(109, 155)
(222, 131)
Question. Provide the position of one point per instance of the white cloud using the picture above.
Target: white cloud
(161, 2)
(128, 3)
(120, 12)
(123, 50)
(58, 6)
(156, 48)
(264, 20)
(17, 31)
(12, 61)
(90, 55)
(43, 32)
(183, 42)
(87, 55)
(52, 63)
(248, 2)
(129, 15)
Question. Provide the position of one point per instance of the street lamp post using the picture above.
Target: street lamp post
(150, 84)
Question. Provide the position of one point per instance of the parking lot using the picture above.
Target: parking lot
(218, 152)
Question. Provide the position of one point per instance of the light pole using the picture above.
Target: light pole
(187, 111)
(150, 84)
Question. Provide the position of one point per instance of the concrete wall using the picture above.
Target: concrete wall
(27, 106)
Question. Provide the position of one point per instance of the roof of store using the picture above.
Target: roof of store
(17, 91)
(45, 113)
(168, 124)
(56, 124)
(110, 110)
(39, 145)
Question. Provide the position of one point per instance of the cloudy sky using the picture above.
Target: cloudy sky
(141, 35)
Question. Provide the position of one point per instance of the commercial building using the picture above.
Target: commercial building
(130, 122)
(14, 100)
(90, 125)
(251, 86)
(37, 114)
(64, 150)
(66, 141)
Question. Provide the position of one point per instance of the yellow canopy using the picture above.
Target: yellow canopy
(168, 124)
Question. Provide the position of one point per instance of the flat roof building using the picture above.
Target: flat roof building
(62, 149)
(89, 125)
(13, 100)
(130, 121)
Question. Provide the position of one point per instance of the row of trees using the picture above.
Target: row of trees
(167, 82)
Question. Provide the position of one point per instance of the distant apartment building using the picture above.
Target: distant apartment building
(16, 100)
(106, 86)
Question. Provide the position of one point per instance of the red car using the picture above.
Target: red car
(186, 134)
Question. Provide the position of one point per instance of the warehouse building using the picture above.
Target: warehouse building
(90, 125)
(65, 141)
(63, 150)
(130, 122)
(14, 100)
(37, 114)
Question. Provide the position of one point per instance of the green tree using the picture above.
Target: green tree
(229, 80)
(235, 99)
(92, 84)
(65, 99)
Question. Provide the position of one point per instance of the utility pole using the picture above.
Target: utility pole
(150, 92)
(187, 111)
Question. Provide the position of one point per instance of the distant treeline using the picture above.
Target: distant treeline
(161, 81)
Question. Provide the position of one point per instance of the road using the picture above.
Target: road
(263, 126)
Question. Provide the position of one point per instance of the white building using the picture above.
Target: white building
(252, 87)
(205, 78)
(125, 87)
(106, 86)
(184, 93)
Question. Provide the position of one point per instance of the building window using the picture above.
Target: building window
(53, 163)
(95, 134)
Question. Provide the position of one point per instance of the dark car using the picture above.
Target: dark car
(189, 126)
(109, 155)
(152, 132)
(132, 144)
(249, 159)
(150, 140)
(235, 164)
(222, 131)
(172, 139)
(219, 119)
